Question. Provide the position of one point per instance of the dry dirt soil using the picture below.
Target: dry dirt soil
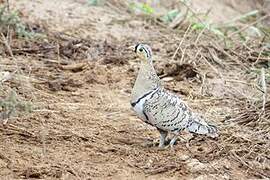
(79, 79)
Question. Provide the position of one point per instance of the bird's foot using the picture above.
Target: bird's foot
(169, 147)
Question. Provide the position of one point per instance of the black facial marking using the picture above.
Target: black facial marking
(136, 47)
(144, 48)
(147, 52)
(134, 103)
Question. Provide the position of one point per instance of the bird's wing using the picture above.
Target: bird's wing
(167, 111)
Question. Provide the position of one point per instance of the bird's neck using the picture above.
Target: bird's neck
(147, 80)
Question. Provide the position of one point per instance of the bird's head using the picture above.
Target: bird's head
(144, 52)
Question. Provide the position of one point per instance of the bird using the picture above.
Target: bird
(160, 108)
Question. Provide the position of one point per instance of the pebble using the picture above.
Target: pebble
(194, 165)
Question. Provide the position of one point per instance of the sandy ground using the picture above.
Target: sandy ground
(83, 127)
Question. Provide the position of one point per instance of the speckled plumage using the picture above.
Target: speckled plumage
(160, 108)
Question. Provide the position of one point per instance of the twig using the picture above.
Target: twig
(200, 34)
(203, 84)
(181, 42)
(8, 27)
(178, 20)
(183, 55)
(215, 69)
(197, 53)
(241, 82)
(237, 54)
(209, 100)
(32, 50)
(193, 12)
(7, 44)
(217, 46)
(116, 8)
(8, 6)
(247, 26)
(264, 89)
(259, 57)
(215, 57)
(18, 130)
(161, 169)
(233, 154)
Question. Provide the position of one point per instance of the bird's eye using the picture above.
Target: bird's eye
(140, 49)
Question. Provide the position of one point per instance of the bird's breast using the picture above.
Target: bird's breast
(138, 105)
(138, 108)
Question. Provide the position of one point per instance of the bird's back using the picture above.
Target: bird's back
(168, 112)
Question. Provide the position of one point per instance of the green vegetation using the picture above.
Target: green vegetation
(201, 22)
(11, 105)
(170, 16)
(141, 8)
(11, 20)
(95, 2)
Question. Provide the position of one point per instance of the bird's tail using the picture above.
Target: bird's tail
(201, 127)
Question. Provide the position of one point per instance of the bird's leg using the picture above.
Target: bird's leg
(173, 140)
(163, 135)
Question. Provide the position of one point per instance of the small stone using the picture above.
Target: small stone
(201, 177)
(167, 79)
(196, 166)
(5, 76)
(183, 157)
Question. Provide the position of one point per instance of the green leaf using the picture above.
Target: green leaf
(253, 31)
(170, 16)
(201, 26)
(198, 26)
(96, 2)
(92, 2)
(141, 7)
(146, 8)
